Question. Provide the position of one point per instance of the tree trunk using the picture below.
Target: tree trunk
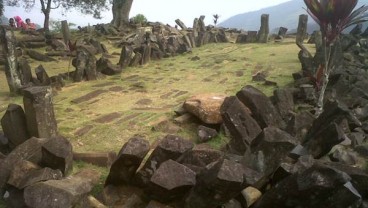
(332, 58)
(120, 12)
(46, 11)
(47, 20)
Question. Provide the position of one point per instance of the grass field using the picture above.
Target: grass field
(141, 97)
(131, 103)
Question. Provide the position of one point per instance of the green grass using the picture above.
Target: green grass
(78, 166)
(222, 68)
(219, 142)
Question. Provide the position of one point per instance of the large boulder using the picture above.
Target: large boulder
(128, 161)
(299, 124)
(171, 181)
(263, 111)
(30, 150)
(67, 192)
(317, 186)
(334, 112)
(284, 102)
(57, 153)
(359, 177)
(220, 182)
(26, 174)
(270, 148)
(206, 107)
(105, 66)
(171, 147)
(14, 125)
(238, 121)
(199, 157)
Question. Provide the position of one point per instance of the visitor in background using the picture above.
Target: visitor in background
(12, 22)
(29, 25)
(19, 21)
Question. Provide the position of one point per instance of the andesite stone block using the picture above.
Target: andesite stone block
(39, 112)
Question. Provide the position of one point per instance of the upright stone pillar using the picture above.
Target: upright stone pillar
(302, 28)
(85, 64)
(201, 25)
(11, 64)
(126, 56)
(195, 27)
(202, 31)
(146, 50)
(65, 31)
(264, 31)
(39, 111)
(281, 34)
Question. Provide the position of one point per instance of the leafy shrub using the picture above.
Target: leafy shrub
(139, 19)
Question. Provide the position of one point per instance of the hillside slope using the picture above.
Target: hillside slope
(285, 15)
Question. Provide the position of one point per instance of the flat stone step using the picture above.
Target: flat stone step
(108, 118)
(127, 118)
(84, 130)
(88, 96)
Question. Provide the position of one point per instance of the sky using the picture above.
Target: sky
(165, 11)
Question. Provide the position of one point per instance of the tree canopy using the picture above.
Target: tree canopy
(1, 7)
(120, 8)
(91, 7)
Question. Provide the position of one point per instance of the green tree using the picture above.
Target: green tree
(139, 18)
(93, 7)
(215, 18)
(1, 7)
(333, 16)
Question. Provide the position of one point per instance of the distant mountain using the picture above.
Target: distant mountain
(282, 15)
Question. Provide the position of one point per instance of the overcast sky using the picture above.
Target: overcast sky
(165, 11)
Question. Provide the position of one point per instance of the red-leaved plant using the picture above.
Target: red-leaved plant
(333, 16)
